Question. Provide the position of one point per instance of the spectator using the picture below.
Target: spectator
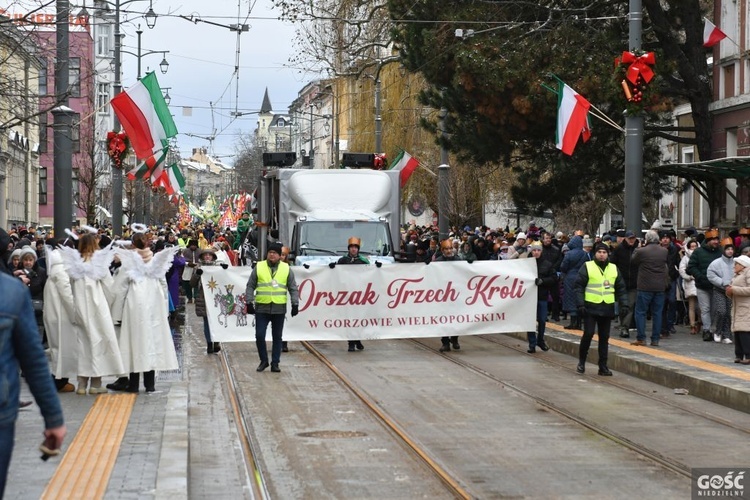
(651, 261)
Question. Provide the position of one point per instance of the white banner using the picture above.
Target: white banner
(394, 301)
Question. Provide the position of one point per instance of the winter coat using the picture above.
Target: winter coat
(622, 256)
(546, 271)
(698, 264)
(174, 277)
(720, 272)
(688, 282)
(553, 255)
(200, 298)
(741, 301)
(651, 261)
(571, 264)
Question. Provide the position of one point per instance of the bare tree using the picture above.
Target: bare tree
(248, 165)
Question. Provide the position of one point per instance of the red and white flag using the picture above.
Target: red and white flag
(406, 164)
(711, 34)
(572, 119)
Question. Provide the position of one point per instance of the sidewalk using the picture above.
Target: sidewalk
(683, 361)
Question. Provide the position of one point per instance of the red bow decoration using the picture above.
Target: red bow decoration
(117, 147)
(639, 65)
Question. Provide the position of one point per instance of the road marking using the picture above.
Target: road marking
(88, 462)
(658, 353)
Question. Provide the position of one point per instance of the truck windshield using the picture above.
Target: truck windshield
(331, 237)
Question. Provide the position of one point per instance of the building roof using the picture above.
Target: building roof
(734, 167)
(266, 106)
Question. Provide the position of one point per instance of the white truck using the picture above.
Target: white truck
(317, 211)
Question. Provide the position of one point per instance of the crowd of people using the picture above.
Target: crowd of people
(696, 280)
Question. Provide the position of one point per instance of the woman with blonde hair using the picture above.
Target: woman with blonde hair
(98, 351)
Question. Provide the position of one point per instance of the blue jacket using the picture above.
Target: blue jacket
(21, 346)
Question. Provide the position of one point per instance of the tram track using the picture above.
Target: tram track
(450, 483)
(666, 462)
(256, 478)
(611, 381)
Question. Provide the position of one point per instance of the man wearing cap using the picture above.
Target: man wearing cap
(622, 257)
(353, 257)
(598, 285)
(651, 261)
(697, 268)
(270, 282)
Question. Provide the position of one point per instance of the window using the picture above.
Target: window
(74, 76)
(43, 78)
(43, 133)
(75, 138)
(102, 98)
(43, 186)
(102, 40)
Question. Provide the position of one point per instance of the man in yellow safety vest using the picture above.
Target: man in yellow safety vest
(597, 288)
(270, 282)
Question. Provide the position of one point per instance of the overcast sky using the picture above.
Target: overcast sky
(201, 66)
(202, 58)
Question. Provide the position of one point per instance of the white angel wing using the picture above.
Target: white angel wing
(100, 262)
(132, 264)
(74, 264)
(161, 262)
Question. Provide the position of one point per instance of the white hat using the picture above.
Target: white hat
(521, 236)
(742, 260)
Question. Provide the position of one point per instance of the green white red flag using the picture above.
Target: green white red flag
(406, 164)
(143, 170)
(572, 119)
(145, 116)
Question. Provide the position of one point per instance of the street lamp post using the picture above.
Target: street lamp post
(116, 172)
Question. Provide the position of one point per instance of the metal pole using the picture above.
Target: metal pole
(62, 119)
(139, 196)
(443, 182)
(634, 137)
(378, 118)
(336, 129)
(310, 153)
(116, 172)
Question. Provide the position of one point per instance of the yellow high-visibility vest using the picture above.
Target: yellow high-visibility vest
(265, 292)
(596, 289)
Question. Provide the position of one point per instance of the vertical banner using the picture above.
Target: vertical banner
(393, 301)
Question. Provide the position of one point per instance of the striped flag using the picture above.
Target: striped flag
(572, 119)
(145, 116)
(143, 170)
(406, 164)
(711, 34)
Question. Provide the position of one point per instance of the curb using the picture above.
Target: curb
(172, 474)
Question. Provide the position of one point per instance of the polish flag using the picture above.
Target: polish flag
(711, 34)
(572, 119)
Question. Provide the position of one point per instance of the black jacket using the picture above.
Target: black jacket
(622, 257)
(548, 275)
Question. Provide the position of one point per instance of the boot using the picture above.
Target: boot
(217, 347)
(583, 353)
(359, 345)
(604, 371)
(96, 386)
(121, 384)
(445, 347)
(707, 336)
(352, 346)
(135, 379)
(456, 345)
(284, 346)
(149, 381)
(83, 382)
(574, 323)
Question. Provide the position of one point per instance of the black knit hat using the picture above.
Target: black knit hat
(274, 247)
(601, 246)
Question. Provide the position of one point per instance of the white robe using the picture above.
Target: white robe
(59, 315)
(145, 337)
(99, 353)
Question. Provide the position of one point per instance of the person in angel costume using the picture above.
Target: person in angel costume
(98, 352)
(60, 320)
(145, 338)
